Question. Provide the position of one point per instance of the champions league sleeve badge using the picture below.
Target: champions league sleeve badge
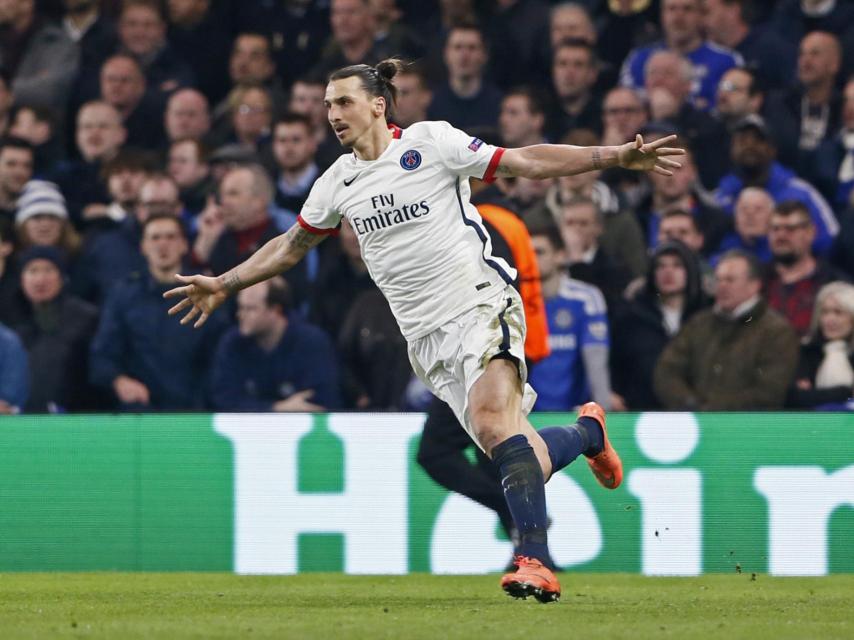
(410, 160)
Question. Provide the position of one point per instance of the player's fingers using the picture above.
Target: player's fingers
(670, 151)
(662, 141)
(639, 141)
(202, 319)
(192, 313)
(177, 291)
(186, 302)
(662, 171)
(667, 162)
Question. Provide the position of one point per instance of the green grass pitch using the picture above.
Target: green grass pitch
(332, 606)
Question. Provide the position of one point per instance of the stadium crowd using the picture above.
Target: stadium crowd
(141, 139)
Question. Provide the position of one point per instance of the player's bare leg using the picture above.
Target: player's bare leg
(495, 412)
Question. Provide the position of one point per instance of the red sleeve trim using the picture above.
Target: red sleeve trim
(396, 132)
(320, 232)
(489, 176)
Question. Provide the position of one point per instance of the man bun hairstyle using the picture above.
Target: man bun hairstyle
(376, 80)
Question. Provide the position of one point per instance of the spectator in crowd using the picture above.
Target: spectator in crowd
(37, 125)
(793, 19)
(9, 281)
(467, 100)
(739, 95)
(728, 24)
(99, 136)
(572, 21)
(55, 330)
(810, 112)
(668, 86)
(753, 153)
(740, 355)
(581, 227)
(111, 257)
(681, 21)
(16, 169)
(123, 86)
(753, 211)
(39, 57)
(294, 149)
(251, 64)
(232, 230)
(142, 34)
(187, 115)
(124, 174)
(825, 374)
(374, 358)
(672, 294)
(298, 29)
(392, 36)
(682, 191)
(522, 118)
(150, 362)
(307, 96)
(622, 236)
(681, 226)
(90, 29)
(14, 373)
(574, 74)
(832, 171)
(797, 274)
(353, 37)
(342, 276)
(273, 361)
(623, 115)
(576, 370)
(188, 166)
(42, 220)
(522, 28)
(413, 97)
(200, 32)
(252, 116)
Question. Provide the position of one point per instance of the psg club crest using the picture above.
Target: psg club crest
(410, 160)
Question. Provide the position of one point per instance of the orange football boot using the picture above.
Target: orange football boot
(531, 579)
(605, 465)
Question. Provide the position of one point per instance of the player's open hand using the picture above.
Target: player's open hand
(202, 294)
(652, 156)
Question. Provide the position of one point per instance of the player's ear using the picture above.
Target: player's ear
(379, 106)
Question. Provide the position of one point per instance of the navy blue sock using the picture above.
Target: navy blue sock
(565, 444)
(525, 492)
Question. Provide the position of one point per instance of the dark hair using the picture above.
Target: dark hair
(415, 70)
(291, 117)
(154, 217)
(376, 80)
(681, 213)
(155, 5)
(130, 159)
(754, 267)
(466, 25)
(536, 101)
(15, 143)
(203, 151)
(40, 113)
(549, 231)
(279, 294)
(791, 207)
(577, 43)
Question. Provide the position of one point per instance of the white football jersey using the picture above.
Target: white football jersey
(422, 240)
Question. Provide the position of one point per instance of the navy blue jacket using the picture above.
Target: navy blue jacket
(247, 378)
(137, 338)
(108, 258)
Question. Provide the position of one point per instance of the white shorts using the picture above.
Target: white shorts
(450, 359)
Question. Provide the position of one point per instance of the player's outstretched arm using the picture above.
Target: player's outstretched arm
(541, 161)
(203, 294)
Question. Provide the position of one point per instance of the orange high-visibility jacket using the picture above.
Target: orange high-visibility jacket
(516, 236)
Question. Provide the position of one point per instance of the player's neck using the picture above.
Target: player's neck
(551, 285)
(373, 142)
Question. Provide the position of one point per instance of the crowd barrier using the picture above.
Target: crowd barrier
(279, 494)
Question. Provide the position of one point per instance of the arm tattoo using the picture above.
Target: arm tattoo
(232, 281)
(597, 158)
(301, 239)
(503, 170)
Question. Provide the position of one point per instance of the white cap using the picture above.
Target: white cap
(40, 197)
